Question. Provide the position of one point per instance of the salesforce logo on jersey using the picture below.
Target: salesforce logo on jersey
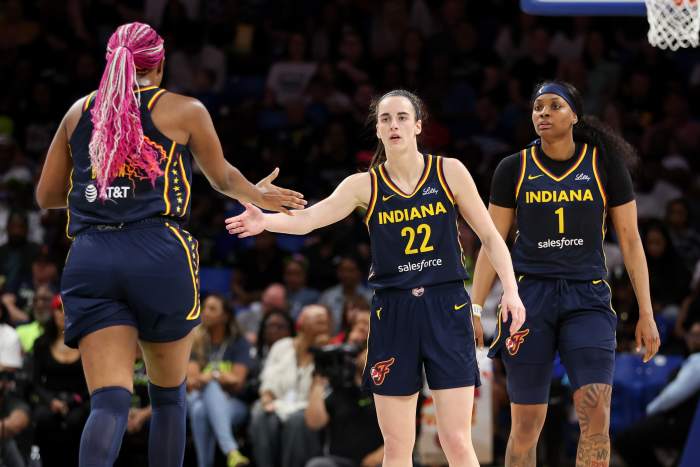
(113, 192)
(424, 263)
(560, 243)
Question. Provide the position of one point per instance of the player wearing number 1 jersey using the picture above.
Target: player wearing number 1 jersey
(559, 191)
(420, 311)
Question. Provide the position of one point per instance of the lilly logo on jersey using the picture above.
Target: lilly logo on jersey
(429, 191)
(582, 177)
(113, 192)
(380, 370)
(514, 342)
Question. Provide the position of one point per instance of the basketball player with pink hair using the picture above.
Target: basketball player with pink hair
(121, 163)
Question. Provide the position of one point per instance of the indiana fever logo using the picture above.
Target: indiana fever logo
(514, 342)
(380, 370)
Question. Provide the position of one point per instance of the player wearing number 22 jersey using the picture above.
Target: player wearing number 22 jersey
(418, 272)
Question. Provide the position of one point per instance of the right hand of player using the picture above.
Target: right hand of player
(275, 198)
(250, 222)
(478, 332)
(513, 306)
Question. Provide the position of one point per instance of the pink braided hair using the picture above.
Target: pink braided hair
(117, 137)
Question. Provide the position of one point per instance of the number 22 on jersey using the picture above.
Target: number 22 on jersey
(412, 233)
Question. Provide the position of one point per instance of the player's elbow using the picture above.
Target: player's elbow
(46, 199)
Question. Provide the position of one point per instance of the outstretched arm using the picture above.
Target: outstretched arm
(352, 192)
(624, 219)
(224, 177)
(472, 209)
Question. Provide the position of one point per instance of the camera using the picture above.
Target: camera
(337, 363)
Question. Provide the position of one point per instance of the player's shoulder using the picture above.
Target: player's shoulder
(181, 101)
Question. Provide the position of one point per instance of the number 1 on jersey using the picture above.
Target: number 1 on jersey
(560, 214)
(424, 247)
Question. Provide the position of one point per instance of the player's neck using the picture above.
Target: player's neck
(560, 149)
(405, 167)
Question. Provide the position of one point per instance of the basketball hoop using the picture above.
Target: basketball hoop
(673, 24)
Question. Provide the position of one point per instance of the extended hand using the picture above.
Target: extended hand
(250, 222)
(276, 198)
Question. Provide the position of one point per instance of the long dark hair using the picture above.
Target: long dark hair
(418, 107)
(590, 129)
(202, 346)
(261, 330)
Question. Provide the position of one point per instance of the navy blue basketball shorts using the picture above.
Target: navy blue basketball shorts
(574, 318)
(144, 275)
(426, 327)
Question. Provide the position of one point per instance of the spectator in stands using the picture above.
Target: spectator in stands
(287, 79)
(274, 297)
(298, 294)
(350, 284)
(18, 254)
(277, 428)
(62, 396)
(669, 415)
(352, 308)
(44, 302)
(221, 361)
(668, 277)
(14, 412)
(274, 326)
(683, 236)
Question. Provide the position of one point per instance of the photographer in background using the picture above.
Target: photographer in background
(336, 402)
(14, 413)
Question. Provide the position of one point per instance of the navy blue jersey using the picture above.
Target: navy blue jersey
(129, 198)
(561, 220)
(414, 237)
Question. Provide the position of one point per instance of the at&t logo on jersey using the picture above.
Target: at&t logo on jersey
(113, 192)
(380, 370)
(514, 342)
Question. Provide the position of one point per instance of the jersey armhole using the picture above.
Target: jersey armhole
(372, 196)
(521, 177)
(154, 99)
(597, 178)
(443, 181)
(88, 101)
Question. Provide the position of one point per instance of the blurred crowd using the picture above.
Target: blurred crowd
(288, 84)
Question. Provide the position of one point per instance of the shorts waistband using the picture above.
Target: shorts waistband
(421, 291)
(139, 224)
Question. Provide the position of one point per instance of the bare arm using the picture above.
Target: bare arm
(624, 219)
(484, 274)
(316, 415)
(474, 212)
(352, 192)
(53, 186)
(224, 177)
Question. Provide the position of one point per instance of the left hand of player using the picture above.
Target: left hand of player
(478, 332)
(511, 304)
(250, 222)
(646, 334)
(272, 194)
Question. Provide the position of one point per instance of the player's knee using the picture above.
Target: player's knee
(456, 443)
(398, 445)
(593, 408)
(526, 429)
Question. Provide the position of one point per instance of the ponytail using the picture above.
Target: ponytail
(592, 130)
(117, 143)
